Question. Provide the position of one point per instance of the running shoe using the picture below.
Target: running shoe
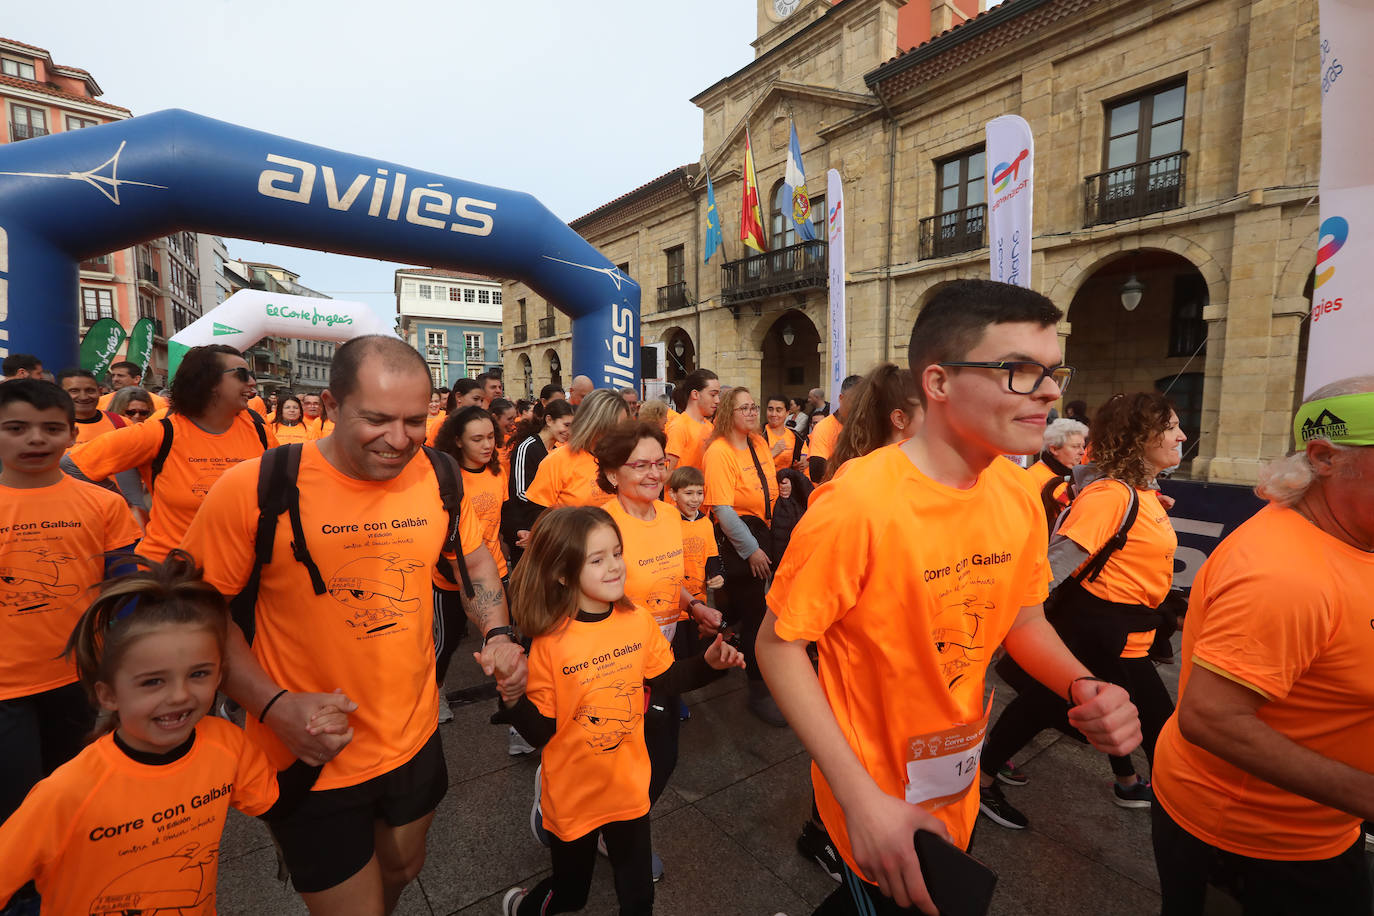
(445, 711)
(814, 843)
(994, 804)
(1009, 774)
(511, 902)
(683, 713)
(536, 813)
(1140, 795)
(656, 864)
(516, 745)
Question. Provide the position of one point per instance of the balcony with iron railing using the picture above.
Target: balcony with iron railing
(521, 333)
(1135, 190)
(97, 265)
(26, 131)
(476, 354)
(674, 296)
(795, 268)
(955, 232)
(546, 327)
(146, 274)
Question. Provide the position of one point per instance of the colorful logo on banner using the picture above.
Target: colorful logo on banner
(1331, 239)
(801, 206)
(1006, 172)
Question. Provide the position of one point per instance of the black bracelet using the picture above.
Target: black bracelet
(1086, 677)
(262, 716)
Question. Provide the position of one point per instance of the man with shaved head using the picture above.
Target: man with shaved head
(358, 592)
(581, 387)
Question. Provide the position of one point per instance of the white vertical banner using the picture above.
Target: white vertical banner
(839, 338)
(1342, 318)
(1010, 186)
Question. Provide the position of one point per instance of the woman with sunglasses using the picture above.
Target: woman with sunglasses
(132, 403)
(207, 431)
(741, 489)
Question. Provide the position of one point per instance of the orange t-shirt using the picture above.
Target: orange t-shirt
(105, 834)
(960, 564)
(687, 440)
(588, 676)
(698, 546)
(655, 570)
(96, 426)
(1281, 607)
(194, 464)
(567, 477)
(256, 403)
(503, 455)
(487, 491)
(732, 479)
(824, 436)
(159, 402)
(319, 427)
(370, 633)
(783, 460)
(1142, 571)
(51, 545)
(288, 434)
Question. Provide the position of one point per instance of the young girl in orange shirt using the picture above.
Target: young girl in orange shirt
(133, 822)
(593, 659)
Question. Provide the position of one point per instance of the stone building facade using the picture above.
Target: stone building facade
(1177, 158)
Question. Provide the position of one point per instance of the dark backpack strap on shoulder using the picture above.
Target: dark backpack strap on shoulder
(450, 480)
(261, 428)
(163, 451)
(291, 495)
(1048, 501)
(1093, 568)
(276, 474)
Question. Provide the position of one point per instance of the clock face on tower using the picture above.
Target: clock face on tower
(784, 8)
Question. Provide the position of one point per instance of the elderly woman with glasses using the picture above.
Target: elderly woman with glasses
(132, 403)
(178, 459)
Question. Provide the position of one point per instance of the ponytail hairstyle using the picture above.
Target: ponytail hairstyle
(448, 438)
(885, 406)
(132, 605)
(544, 586)
(554, 410)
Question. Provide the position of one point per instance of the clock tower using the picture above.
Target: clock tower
(774, 13)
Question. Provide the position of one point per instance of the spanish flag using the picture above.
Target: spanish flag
(751, 221)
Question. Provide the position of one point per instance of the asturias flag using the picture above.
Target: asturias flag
(795, 180)
(751, 220)
(713, 233)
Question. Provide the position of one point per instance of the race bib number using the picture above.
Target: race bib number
(942, 765)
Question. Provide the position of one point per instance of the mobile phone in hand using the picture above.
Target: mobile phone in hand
(959, 885)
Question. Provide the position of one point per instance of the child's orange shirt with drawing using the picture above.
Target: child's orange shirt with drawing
(907, 688)
(106, 834)
(698, 546)
(371, 634)
(588, 676)
(52, 541)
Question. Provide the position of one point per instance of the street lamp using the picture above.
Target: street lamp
(1131, 292)
(788, 336)
(678, 348)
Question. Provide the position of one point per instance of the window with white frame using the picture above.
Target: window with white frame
(97, 303)
(407, 287)
(20, 68)
(469, 295)
(426, 291)
(455, 294)
(75, 123)
(484, 297)
(473, 342)
(496, 297)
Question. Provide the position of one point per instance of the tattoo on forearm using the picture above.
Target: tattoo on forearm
(487, 606)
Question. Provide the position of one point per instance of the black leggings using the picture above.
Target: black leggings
(1338, 886)
(39, 733)
(744, 594)
(628, 844)
(450, 628)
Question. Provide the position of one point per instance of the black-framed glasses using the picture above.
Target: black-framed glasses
(242, 373)
(138, 412)
(1023, 376)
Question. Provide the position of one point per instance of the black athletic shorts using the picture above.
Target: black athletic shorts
(330, 837)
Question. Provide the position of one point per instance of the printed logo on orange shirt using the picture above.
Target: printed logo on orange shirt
(172, 884)
(956, 632)
(608, 715)
(380, 591)
(28, 578)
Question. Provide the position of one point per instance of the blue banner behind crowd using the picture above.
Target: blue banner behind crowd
(1204, 514)
(77, 194)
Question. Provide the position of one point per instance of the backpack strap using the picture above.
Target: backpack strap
(290, 494)
(276, 475)
(260, 428)
(1093, 568)
(451, 495)
(763, 481)
(115, 419)
(163, 451)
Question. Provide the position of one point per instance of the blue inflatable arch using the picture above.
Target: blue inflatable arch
(77, 194)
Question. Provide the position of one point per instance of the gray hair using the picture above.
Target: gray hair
(1058, 432)
(120, 402)
(1286, 480)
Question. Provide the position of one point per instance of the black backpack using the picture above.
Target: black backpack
(278, 493)
(165, 448)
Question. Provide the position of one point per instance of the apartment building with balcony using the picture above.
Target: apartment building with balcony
(1175, 221)
(453, 319)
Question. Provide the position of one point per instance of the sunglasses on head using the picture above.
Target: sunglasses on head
(241, 373)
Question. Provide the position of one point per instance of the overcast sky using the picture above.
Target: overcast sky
(574, 102)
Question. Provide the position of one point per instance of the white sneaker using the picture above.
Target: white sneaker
(516, 745)
(511, 902)
(536, 813)
(445, 712)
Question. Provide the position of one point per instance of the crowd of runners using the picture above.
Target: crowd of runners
(210, 601)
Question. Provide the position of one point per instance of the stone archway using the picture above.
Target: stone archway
(791, 356)
(1160, 344)
(681, 354)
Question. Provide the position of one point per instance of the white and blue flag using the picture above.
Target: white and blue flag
(799, 216)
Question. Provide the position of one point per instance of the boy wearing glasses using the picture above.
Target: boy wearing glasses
(936, 555)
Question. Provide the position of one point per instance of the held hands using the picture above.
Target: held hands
(504, 660)
(1166, 501)
(313, 726)
(708, 619)
(721, 655)
(759, 564)
(522, 538)
(1105, 715)
(715, 582)
(881, 831)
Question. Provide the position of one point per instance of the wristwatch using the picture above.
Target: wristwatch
(506, 631)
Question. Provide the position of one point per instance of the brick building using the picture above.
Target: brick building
(1175, 221)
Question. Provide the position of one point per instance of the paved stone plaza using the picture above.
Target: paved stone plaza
(725, 827)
